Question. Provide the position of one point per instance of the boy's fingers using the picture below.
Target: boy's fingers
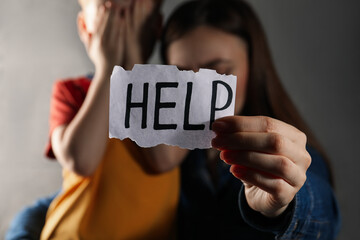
(99, 18)
(102, 20)
(108, 4)
(138, 13)
(149, 7)
(142, 10)
(146, 8)
(122, 28)
(110, 12)
(128, 19)
(116, 25)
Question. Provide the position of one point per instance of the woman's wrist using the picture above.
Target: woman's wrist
(276, 213)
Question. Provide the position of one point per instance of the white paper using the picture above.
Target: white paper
(173, 87)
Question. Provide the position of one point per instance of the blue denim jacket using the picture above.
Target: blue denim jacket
(207, 211)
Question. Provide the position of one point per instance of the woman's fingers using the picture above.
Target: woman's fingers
(273, 165)
(271, 143)
(268, 155)
(258, 124)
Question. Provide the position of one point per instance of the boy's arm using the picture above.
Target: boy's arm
(79, 145)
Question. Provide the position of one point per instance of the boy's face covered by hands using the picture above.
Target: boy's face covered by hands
(106, 27)
(91, 9)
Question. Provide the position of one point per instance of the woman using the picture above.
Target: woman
(267, 144)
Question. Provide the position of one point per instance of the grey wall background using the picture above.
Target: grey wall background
(315, 45)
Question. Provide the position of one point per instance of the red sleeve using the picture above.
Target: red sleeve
(67, 98)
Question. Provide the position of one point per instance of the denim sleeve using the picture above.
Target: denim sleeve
(29, 222)
(313, 213)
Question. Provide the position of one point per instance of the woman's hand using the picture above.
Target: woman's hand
(106, 45)
(267, 155)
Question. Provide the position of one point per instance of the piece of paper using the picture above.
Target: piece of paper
(155, 104)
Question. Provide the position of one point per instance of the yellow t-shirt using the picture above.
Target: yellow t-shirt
(120, 201)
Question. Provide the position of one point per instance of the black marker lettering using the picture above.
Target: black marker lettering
(187, 125)
(158, 105)
(213, 99)
(142, 105)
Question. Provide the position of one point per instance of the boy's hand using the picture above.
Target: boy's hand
(135, 28)
(115, 28)
(267, 155)
(107, 44)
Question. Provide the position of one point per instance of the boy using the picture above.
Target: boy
(107, 191)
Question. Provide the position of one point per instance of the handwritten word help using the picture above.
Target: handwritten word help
(154, 104)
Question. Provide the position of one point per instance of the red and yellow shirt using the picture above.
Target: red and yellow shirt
(120, 200)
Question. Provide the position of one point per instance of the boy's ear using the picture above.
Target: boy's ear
(83, 32)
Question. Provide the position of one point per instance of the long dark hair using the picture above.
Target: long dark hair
(265, 93)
